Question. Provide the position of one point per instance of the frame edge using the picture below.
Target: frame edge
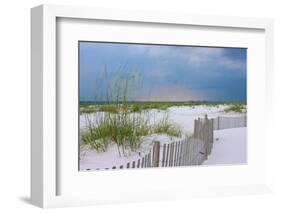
(37, 106)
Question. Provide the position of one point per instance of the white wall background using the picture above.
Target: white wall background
(15, 104)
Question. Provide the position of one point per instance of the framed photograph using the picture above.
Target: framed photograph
(151, 106)
(159, 105)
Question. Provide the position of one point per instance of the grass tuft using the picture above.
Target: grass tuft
(166, 127)
(124, 129)
(235, 108)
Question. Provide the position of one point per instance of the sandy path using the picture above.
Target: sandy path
(230, 147)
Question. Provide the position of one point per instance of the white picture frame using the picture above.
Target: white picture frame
(45, 169)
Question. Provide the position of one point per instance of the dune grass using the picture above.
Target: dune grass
(235, 108)
(121, 122)
(124, 129)
(165, 126)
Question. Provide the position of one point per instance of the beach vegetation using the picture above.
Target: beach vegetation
(120, 121)
(235, 108)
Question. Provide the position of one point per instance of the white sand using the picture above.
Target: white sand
(108, 159)
(230, 147)
(184, 117)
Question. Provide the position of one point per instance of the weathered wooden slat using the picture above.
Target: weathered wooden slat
(172, 154)
(145, 161)
(149, 159)
(167, 156)
(138, 165)
(182, 150)
(156, 154)
(175, 154)
(163, 156)
(187, 151)
(181, 153)
(178, 153)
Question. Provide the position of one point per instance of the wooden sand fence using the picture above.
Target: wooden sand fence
(229, 122)
(192, 150)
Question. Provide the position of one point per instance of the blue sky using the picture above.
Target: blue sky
(165, 73)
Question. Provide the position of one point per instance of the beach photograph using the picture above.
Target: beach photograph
(158, 105)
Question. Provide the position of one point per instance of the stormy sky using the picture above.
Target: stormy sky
(163, 72)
